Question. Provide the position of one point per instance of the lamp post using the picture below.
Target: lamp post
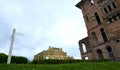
(11, 46)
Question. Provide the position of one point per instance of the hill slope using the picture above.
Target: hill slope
(75, 66)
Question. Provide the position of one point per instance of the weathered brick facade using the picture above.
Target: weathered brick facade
(102, 19)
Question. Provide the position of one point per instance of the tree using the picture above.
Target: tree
(14, 59)
(3, 58)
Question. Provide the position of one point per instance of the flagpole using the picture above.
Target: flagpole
(11, 46)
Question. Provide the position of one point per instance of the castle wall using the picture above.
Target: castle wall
(102, 19)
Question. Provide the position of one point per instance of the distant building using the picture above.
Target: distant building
(102, 19)
(52, 53)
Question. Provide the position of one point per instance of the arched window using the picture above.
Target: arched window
(52, 57)
(95, 39)
(100, 55)
(84, 48)
(97, 18)
(110, 53)
(105, 9)
(47, 57)
(118, 15)
(109, 7)
(59, 58)
(92, 2)
(103, 35)
(86, 19)
(86, 58)
(114, 5)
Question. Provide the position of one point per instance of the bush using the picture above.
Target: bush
(51, 61)
(19, 60)
(14, 59)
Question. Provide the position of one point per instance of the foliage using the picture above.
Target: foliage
(3, 58)
(50, 61)
(14, 59)
(19, 60)
(71, 66)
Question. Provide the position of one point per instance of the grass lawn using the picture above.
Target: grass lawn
(73, 66)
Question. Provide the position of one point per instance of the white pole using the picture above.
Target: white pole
(11, 46)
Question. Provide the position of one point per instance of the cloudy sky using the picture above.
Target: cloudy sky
(43, 23)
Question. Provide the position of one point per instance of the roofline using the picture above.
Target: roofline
(78, 5)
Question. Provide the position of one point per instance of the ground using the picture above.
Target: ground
(73, 66)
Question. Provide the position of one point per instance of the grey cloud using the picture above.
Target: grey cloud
(42, 23)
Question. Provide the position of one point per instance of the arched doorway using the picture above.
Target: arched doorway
(46, 57)
(86, 58)
(100, 55)
(110, 53)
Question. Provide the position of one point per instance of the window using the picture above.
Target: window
(97, 18)
(56, 49)
(109, 7)
(92, 2)
(110, 20)
(105, 10)
(47, 57)
(59, 58)
(86, 19)
(52, 57)
(103, 35)
(114, 17)
(110, 53)
(118, 15)
(100, 55)
(84, 48)
(86, 58)
(117, 40)
(114, 5)
(95, 39)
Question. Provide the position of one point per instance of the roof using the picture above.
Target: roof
(80, 3)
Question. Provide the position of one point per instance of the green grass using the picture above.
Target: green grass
(73, 66)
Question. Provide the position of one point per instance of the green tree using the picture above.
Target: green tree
(3, 58)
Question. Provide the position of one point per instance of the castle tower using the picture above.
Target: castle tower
(102, 19)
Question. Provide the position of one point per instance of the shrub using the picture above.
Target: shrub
(14, 59)
(51, 61)
(19, 60)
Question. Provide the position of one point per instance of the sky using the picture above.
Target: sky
(41, 23)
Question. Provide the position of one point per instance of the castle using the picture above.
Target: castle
(52, 53)
(102, 19)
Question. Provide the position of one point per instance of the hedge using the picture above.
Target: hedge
(14, 59)
(51, 61)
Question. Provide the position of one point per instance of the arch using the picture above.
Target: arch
(118, 15)
(86, 58)
(59, 58)
(84, 48)
(109, 49)
(46, 57)
(92, 2)
(114, 5)
(110, 53)
(100, 55)
(104, 36)
(95, 39)
(53, 58)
